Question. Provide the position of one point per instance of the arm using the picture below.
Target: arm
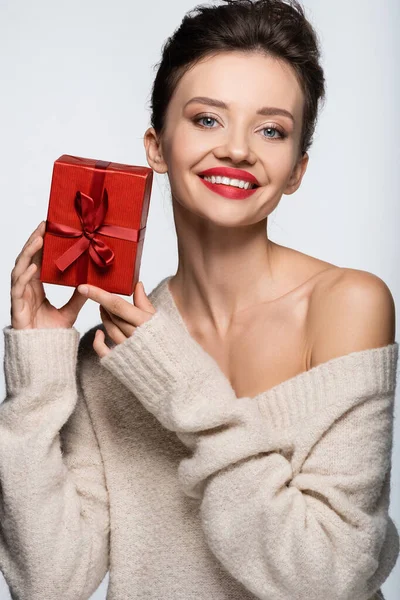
(293, 485)
(54, 519)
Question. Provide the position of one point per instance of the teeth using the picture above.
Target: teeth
(227, 181)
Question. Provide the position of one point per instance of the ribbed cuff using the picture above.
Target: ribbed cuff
(162, 366)
(157, 356)
(36, 357)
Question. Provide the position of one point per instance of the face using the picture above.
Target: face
(199, 136)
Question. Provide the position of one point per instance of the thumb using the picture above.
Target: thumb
(74, 305)
(141, 300)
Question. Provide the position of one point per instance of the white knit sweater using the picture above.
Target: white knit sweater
(146, 464)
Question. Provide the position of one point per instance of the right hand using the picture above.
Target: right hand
(30, 308)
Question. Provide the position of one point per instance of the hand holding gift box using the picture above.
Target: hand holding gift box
(96, 224)
(120, 318)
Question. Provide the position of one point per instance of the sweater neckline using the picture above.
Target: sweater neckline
(366, 359)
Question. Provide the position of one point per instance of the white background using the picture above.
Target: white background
(76, 79)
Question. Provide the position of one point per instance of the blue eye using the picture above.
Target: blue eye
(281, 133)
(202, 118)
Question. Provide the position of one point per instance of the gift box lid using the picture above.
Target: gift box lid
(91, 163)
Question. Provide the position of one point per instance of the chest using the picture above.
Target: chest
(263, 347)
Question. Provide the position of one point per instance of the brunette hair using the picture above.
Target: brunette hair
(275, 28)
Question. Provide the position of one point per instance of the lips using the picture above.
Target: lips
(231, 173)
(229, 191)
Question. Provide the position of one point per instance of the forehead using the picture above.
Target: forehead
(242, 80)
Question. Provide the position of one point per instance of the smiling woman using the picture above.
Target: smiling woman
(229, 435)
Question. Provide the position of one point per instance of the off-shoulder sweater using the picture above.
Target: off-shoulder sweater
(144, 463)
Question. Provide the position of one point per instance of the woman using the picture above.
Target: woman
(229, 435)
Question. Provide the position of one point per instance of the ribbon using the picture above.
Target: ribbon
(91, 210)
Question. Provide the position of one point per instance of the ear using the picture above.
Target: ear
(153, 149)
(297, 175)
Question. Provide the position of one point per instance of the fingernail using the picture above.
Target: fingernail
(83, 289)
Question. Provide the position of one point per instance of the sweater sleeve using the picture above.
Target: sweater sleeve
(293, 484)
(54, 519)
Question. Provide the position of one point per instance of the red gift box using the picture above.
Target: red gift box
(96, 223)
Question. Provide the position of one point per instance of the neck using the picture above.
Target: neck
(222, 270)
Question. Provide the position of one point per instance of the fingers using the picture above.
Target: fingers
(117, 332)
(114, 304)
(18, 289)
(40, 229)
(99, 345)
(114, 321)
(25, 257)
(141, 299)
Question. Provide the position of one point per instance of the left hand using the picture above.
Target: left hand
(120, 318)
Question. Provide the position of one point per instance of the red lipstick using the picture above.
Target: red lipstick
(231, 173)
(229, 191)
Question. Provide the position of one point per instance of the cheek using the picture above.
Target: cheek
(280, 164)
(184, 155)
(187, 144)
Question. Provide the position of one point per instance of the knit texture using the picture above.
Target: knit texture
(146, 464)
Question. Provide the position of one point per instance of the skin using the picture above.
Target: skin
(224, 250)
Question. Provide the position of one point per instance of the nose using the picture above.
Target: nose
(236, 147)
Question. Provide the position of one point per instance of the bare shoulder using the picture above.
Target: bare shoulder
(350, 310)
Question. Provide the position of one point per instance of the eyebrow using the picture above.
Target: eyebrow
(267, 111)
